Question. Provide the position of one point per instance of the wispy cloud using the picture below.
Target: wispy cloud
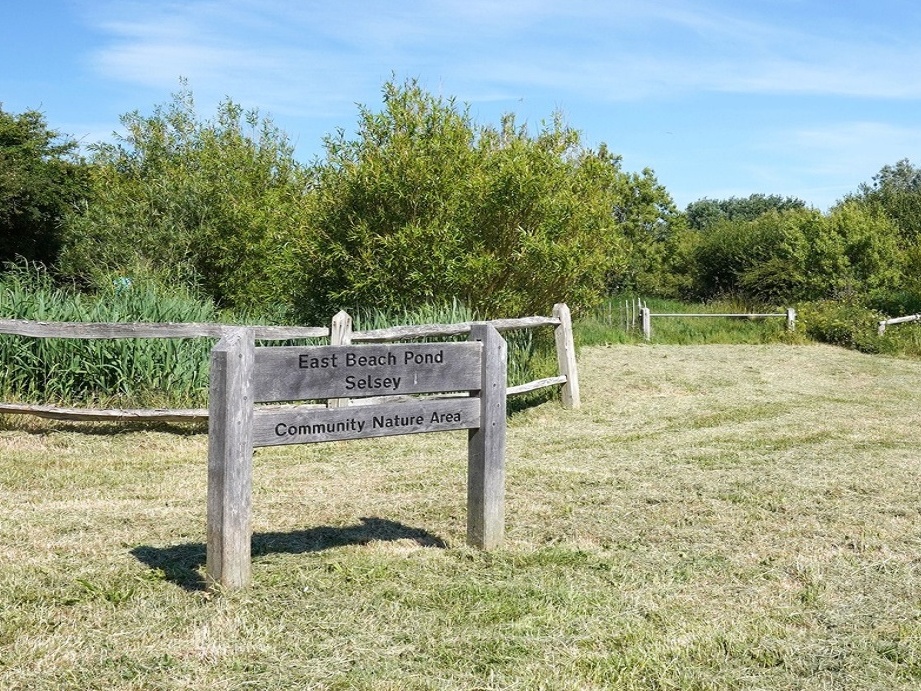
(612, 51)
(843, 148)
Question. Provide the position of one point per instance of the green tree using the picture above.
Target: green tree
(656, 237)
(424, 205)
(896, 190)
(42, 180)
(212, 201)
(705, 213)
(799, 254)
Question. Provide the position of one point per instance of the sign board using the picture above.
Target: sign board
(274, 428)
(354, 371)
(242, 375)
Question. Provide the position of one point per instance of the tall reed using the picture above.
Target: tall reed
(104, 371)
(165, 372)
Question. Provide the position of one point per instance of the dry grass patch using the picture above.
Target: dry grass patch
(730, 517)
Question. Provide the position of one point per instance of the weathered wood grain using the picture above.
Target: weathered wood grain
(51, 412)
(486, 446)
(897, 320)
(291, 373)
(307, 426)
(397, 333)
(566, 357)
(230, 457)
(340, 333)
(535, 385)
(87, 330)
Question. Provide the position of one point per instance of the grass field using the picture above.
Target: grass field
(713, 517)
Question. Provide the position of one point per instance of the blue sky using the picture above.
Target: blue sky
(720, 98)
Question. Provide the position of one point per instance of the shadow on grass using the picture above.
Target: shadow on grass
(42, 426)
(181, 564)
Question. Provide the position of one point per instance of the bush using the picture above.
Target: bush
(426, 206)
(41, 180)
(847, 324)
(799, 254)
(212, 202)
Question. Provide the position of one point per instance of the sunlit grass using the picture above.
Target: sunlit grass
(727, 517)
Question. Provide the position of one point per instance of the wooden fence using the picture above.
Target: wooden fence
(898, 320)
(647, 316)
(340, 333)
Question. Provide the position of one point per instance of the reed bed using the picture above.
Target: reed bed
(169, 373)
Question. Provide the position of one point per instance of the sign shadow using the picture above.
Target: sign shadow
(181, 564)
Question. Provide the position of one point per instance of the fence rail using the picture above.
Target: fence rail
(647, 316)
(898, 320)
(86, 330)
(339, 333)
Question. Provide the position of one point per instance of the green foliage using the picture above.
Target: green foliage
(656, 237)
(214, 201)
(896, 190)
(118, 371)
(799, 254)
(41, 180)
(426, 206)
(843, 323)
(706, 213)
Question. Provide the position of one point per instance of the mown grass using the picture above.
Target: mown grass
(731, 517)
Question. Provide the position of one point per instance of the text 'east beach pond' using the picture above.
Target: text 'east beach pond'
(242, 375)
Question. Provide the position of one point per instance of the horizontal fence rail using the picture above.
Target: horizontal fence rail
(86, 330)
(647, 316)
(897, 320)
(340, 333)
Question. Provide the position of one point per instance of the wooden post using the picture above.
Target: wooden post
(647, 323)
(486, 446)
(791, 319)
(230, 458)
(340, 334)
(566, 356)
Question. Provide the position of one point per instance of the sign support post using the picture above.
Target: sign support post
(486, 446)
(230, 460)
(242, 375)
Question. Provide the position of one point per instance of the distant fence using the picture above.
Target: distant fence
(647, 316)
(340, 333)
(898, 320)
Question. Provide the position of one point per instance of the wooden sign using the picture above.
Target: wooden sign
(354, 371)
(242, 375)
(274, 428)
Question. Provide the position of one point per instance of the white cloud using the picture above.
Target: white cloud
(842, 148)
(605, 51)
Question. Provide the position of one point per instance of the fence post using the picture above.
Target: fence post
(566, 356)
(647, 323)
(486, 446)
(791, 319)
(340, 333)
(230, 460)
(881, 330)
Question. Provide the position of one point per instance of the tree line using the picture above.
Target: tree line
(422, 204)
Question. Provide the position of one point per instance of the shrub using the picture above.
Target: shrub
(213, 202)
(426, 206)
(843, 323)
(799, 254)
(41, 179)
